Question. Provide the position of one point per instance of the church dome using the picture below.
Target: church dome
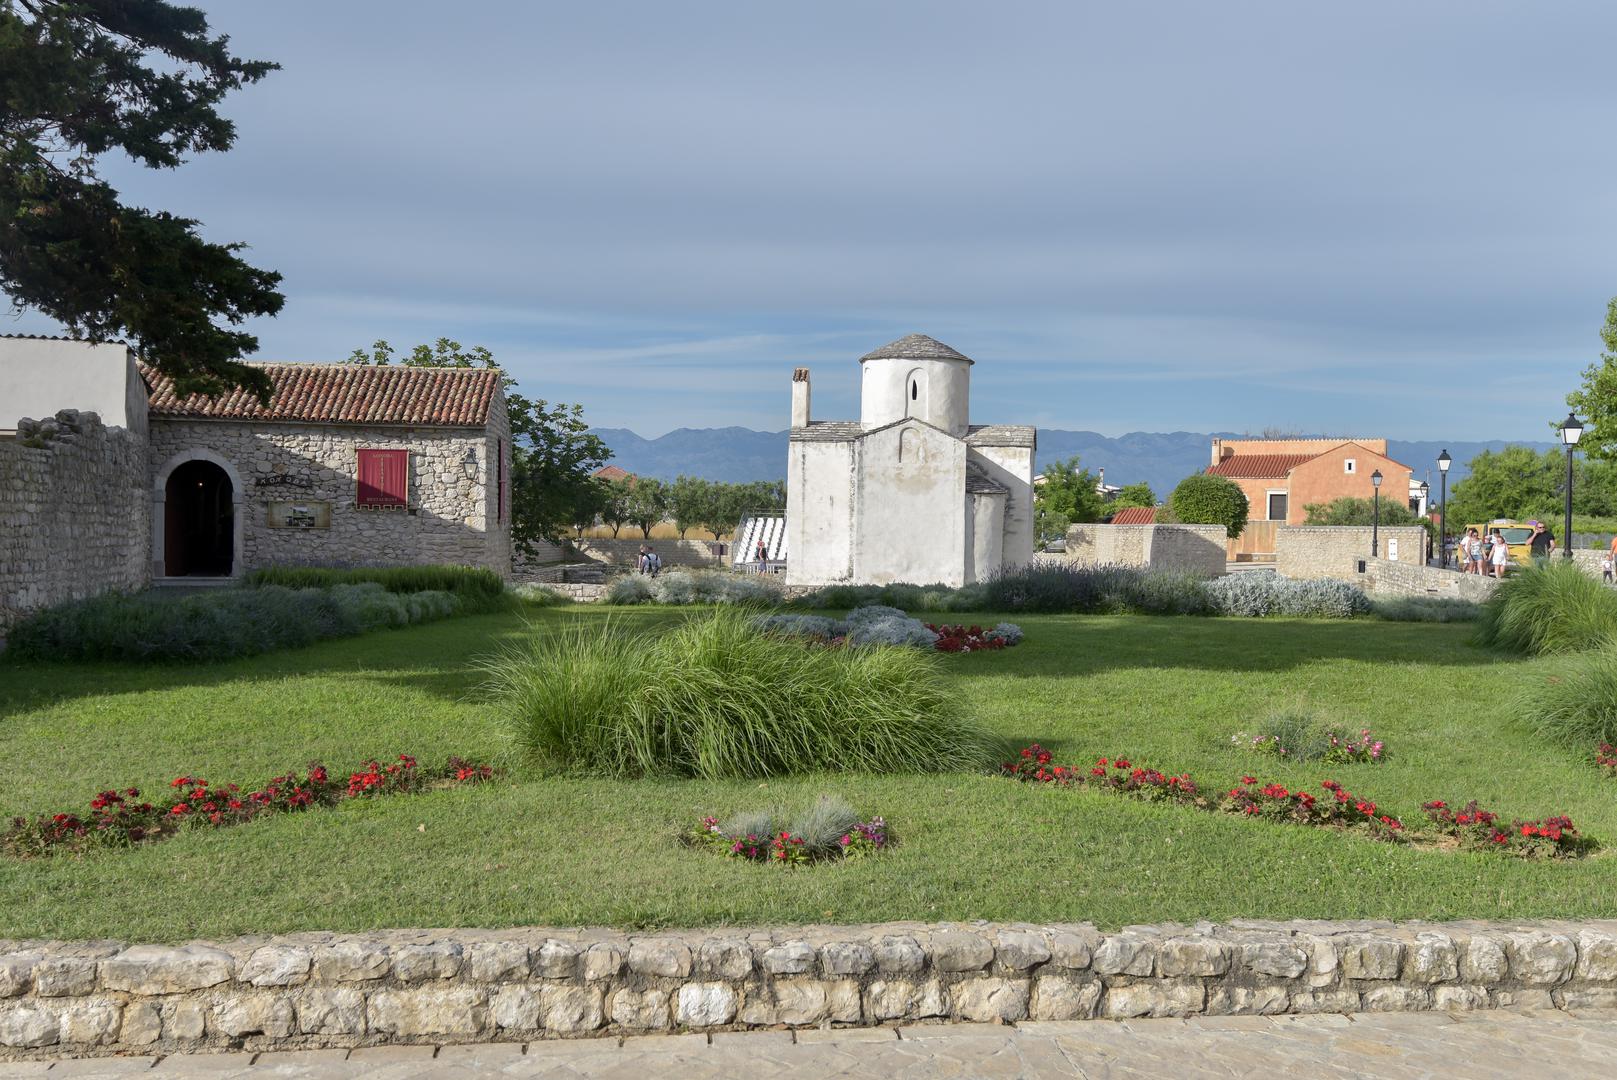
(915, 347)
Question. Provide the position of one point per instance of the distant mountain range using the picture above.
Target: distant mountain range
(1160, 459)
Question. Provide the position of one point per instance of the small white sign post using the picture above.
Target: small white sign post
(1392, 548)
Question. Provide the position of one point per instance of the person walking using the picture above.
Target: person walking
(641, 566)
(1471, 552)
(762, 556)
(654, 562)
(1500, 554)
(1542, 543)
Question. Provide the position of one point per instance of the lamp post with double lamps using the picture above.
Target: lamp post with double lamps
(1443, 463)
(1571, 431)
(1375, 517)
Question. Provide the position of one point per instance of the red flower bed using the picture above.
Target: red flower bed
(121, 819)
(1606, 758)
(964, 639)
(1553, 837)
(1479, 829)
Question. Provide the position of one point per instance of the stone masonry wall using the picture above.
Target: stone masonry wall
(73, 512)
(623, 551)
(1196, 549)
(1388, 578)
(310, 990)
(1332, 551)
(451, 517)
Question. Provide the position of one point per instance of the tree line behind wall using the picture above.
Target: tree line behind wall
(689, 502)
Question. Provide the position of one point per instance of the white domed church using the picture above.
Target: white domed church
(912, 491)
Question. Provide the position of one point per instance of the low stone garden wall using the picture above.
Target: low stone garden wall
(315, 990)
(1388, 578)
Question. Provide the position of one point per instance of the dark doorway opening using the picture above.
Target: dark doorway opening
(199, 522)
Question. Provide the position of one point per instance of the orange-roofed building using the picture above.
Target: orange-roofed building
(1280, 477)
(1135, 515)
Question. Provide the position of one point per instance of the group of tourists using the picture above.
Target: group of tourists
(1490, 555)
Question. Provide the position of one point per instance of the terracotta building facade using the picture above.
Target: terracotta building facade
(1281, 477)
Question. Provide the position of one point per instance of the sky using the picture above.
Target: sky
(1376, 219)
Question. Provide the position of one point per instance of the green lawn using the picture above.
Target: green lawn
(1167, 692)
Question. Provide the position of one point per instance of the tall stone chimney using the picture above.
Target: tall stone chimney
(800, 397)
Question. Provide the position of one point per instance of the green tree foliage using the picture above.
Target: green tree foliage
(615, 504)
(687, 501)
(719, 507)
(645, 503)
(1067, 496)
(553, 453)
(79, 79)
(1595, 401)
(1209, 500)
(1350, 511)
(1519, 483)
(1132, 495)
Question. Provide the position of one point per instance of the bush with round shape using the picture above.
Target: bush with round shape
(1210, 500)
(1260, 593)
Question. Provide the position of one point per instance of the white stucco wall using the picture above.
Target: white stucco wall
(910, 513)
(987, 521)
(1012, 466)
(944, 392)
(819, 512)
(40, 376)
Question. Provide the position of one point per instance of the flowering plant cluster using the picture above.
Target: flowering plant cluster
(1341, 750)
(787, 848)
(1479, 829)
(1606, 758)
(1341, 808)
(1553, 837)
(964, 639)
(1120, 775)
(121, 818)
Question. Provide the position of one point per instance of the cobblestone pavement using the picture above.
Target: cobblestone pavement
(1397, 1046)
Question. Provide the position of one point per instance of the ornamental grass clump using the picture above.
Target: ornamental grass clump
(715, 698)
(1549, 606)
(1573, 698)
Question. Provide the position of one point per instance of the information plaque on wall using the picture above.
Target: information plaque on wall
(300, 514)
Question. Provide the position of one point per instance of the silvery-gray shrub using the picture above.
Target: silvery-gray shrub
(631, 589)
(801, 625)
(900, 630)
(1260, 593)
(1008, 632)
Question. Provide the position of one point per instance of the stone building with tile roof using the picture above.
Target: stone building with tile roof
(1282, 477)
(342, 465)
(912, 491)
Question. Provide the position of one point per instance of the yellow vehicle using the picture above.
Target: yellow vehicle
(1518, 536)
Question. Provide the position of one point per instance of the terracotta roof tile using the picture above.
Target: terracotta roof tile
(1135, 515)
(1259, 466)
(611, 472)
(344, 394)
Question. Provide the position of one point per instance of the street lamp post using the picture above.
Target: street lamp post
(1375, 519)
(1426, 511)
(1571, 431)
(1443, 463)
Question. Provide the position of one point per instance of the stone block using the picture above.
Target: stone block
(1325, 1001)
(1603, 998)
(91, 1021)
(904, 999)
(1059, 997)
(1459, 998)
(27, 1025)
(1277, 958)
(16, 973)
(1541, 959)
(1183, 998)
(142, 1024)
(791, 958)
(667, 957)
(725, 958)
(424, 963)
(184, 1019)
(1124, 954)
(497, 961)
(705, 1004)
(515, 1008)
(570, 1009)
(254, 1014)
(556, 960)
(800, 1002)
(1525, 1000)
(960, 950)
(1021, 950)
(1073, 950)
(64, 976)
(1433, 958)
(899, 955)
(352, 961)
(990, 1000)
(1597, 957)
(330, 1011)
(602, 961)
(431, 1010)
(846, 958)
(162, 969)
(1396, 999)
(276, 965)
(639, 1010)
(1372, 958)
(1247, 1001)
(1186, 956)
(1484, 961)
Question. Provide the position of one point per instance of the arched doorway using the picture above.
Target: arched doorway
(199, 521)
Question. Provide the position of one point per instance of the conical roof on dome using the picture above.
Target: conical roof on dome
(915, 347)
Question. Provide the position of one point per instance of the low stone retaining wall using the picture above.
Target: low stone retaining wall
(577, 591)
(314, 990)
(1387, 578)
(694, 553)
(1194, 549)
(1333, 551)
